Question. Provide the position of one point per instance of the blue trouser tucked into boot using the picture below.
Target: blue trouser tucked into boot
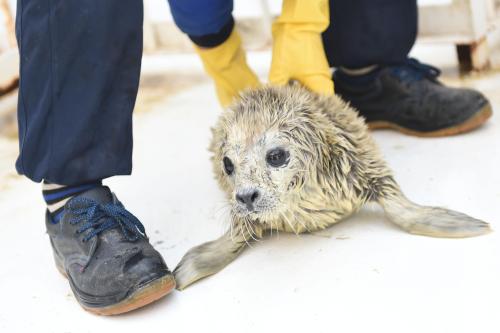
(80, 66)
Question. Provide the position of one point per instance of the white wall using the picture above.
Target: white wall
(157, 10)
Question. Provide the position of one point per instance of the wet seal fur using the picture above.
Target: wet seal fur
(332, 169)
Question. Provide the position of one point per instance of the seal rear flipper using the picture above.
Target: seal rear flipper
(430, 221)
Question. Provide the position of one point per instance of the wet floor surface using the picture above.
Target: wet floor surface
(362, 275)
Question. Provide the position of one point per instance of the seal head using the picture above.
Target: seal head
(266, 149)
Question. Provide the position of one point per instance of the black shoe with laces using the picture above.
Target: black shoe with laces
(409, 98)
(104, 252)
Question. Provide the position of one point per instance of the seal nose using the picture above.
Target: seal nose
(247, 198)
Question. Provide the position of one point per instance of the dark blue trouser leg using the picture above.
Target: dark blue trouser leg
(368, 32)
(203, 21)
(79, 75)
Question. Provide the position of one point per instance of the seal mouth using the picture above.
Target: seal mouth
(256, 214)
(247, 213)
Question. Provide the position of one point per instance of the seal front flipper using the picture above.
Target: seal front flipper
(428, 221)
(211, 257)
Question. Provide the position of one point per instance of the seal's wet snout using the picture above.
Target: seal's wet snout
(248, 198)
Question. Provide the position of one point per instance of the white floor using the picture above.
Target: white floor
(363, 275)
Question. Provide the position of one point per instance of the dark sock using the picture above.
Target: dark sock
(360, 77)
(56, 196)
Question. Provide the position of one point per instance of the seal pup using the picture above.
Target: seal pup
(292, 160)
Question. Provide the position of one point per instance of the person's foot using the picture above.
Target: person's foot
(409, 98)
(104, 252)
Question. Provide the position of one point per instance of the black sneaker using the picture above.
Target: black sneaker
(410, 99)
(104, 252)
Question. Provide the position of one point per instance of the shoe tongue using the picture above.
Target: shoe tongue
(414, 70)
(100, 194)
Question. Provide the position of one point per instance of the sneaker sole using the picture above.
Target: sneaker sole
(472, 123)
(142, 296)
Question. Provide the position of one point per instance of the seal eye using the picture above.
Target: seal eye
(277, 157)
(228, 165)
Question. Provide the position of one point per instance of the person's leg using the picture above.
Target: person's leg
(79, 75)
(367, 32)
(210, 26)
(368, 42)
(80, 64)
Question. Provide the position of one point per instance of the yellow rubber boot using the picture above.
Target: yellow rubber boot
(226, 64)
(298, 52)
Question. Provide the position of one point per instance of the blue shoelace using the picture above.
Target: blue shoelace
(101, 217)
(414, 70)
